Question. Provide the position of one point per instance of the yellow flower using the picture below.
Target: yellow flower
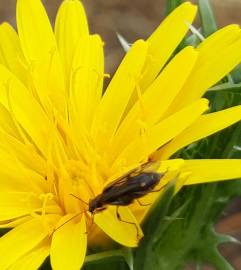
(60, 135)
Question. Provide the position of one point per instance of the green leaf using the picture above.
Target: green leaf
(118, 259)
(229, 87)
(93, 258)
(145, 257)
(233, 148)
(209, 25)
(128, 255)
(192, 40)
(190, 238)
(236, 74)
(171, 5)
(46, 265)
(218, 261)
(206, 248)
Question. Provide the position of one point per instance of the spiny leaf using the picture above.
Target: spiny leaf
(209, 25)
(210, 241)
(218, 261)
(192, 40)
(123, 42)
(146, 254)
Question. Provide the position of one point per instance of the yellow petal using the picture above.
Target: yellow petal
(165, 39)
(40, 49)
(11, 141)
(155, 100)
(21, 240)
(203, 127)
(124, 233)
(26, 112)
(205, 171)
(32, 260)
(70, 25)
(18, 204)
(14, 223)
(15, 177)
(218, 41)
(27, 154)
(161, 93)
(216, 60)
(161, 133)
(26, 109)
(69, 245)
(34, 28)
(118, 93)
(7, 124)
(11, 54)
(87, 80)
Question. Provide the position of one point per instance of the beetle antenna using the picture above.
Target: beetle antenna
(67, 221)
(78, 199)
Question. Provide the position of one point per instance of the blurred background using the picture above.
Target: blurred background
(132, 18)
(137, 19)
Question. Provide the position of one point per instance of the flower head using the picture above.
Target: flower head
(63, 140)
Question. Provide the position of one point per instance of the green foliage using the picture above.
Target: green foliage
(171, 5)
(181, 231)
(236, 74)
(119, 259)
(147, 255)
(191, 237)
(209, 25)
(179, 240)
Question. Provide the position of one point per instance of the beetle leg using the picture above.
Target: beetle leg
(157, 189)
(143, 204)
(100, 209)
(92, 220)
(128, 222)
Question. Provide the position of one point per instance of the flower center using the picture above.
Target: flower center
(74, 186)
